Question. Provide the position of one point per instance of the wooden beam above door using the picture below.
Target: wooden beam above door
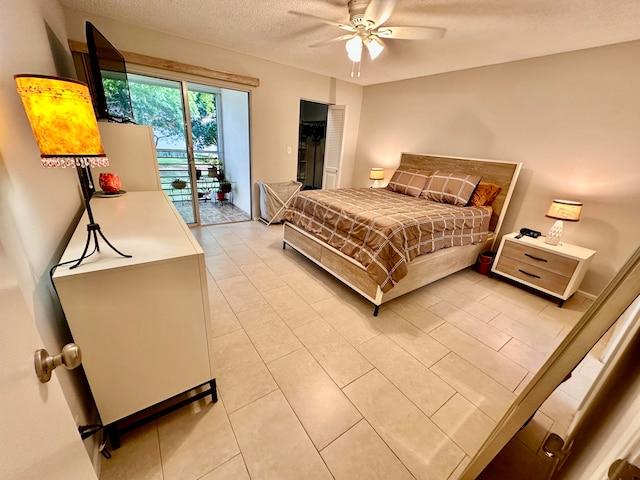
(174, 66)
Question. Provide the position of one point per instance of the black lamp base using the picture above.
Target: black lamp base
(93, 230)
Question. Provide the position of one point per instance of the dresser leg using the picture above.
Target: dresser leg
(560, 303)
(214, 392)
(112, 434)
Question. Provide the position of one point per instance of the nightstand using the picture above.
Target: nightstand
(556, 270)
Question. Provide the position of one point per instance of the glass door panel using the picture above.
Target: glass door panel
(208, 166)
(158, 102)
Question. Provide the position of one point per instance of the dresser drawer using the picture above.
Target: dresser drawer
(541, 259)
(532, 274)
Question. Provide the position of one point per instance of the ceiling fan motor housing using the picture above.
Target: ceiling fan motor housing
(357, 8)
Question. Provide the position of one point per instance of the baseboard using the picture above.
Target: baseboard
(589, 296)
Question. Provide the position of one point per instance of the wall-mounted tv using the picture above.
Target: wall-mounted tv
(109, 86)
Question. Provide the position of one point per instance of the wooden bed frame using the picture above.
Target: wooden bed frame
(424, 269)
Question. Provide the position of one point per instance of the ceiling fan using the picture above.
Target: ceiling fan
(366, 29)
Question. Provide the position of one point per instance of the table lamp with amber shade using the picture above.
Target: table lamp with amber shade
(376, 174)
(64, 124)
(561, 210)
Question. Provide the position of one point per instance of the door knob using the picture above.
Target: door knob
(623, 470)
(70, 357)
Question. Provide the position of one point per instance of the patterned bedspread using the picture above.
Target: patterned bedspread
(384, 230)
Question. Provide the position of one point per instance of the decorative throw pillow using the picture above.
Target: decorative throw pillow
(453, 188)
(485, 194)
(408, 181)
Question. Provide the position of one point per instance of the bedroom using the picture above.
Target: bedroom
(580, 107)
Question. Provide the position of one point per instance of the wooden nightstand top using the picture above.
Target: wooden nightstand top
(563, 248)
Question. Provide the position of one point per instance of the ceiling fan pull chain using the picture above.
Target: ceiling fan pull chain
(354, 72)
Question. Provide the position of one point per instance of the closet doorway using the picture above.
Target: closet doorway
(311, 144)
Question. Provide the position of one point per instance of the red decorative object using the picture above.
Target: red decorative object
(109, 182)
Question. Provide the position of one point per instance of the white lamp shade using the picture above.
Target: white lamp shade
(375, 47)
(354, 49)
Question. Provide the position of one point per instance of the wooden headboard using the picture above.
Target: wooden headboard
(501, 173)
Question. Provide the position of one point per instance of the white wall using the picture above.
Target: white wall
(275, 104)
(38, 207)
(571, 119)
(235, 139)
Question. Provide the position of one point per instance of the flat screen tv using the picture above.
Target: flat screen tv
(109, 86)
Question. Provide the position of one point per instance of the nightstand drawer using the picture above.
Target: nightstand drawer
(542, 259)
(532, 274)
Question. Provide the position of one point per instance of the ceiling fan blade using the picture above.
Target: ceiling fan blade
(411, 33)
(323, 20)
(379, 11)
(333, 40)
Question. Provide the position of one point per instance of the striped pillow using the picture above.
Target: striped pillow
(453, 188)
(408, 181)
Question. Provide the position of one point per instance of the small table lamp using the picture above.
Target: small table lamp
(376, 174)
(561, 210)
(62, 119)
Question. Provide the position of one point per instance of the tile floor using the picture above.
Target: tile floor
(311, 385)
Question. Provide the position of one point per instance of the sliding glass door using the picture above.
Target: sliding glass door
(205, 185)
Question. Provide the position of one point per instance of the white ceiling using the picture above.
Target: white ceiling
(479, 32)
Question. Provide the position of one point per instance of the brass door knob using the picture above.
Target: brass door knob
(70, 357)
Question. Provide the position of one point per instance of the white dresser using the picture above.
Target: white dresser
(140, 322)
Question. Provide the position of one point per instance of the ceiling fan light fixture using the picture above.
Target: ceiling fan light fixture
(354, 49)
(374, 46)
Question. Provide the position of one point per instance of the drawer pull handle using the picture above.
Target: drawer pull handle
(530, 274)
(536, 258)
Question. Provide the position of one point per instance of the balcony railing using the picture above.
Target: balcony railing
(173, 165)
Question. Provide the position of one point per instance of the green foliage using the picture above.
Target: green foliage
(224, 186)
(161, 107)
(204, 119)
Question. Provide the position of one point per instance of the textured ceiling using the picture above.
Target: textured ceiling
(479, 32)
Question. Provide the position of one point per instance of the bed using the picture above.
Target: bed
(386, 242)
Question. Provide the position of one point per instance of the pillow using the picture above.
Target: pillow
(408, 181)
(454, 188)
(485, 194)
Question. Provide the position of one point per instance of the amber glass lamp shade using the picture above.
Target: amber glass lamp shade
(63, 122)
